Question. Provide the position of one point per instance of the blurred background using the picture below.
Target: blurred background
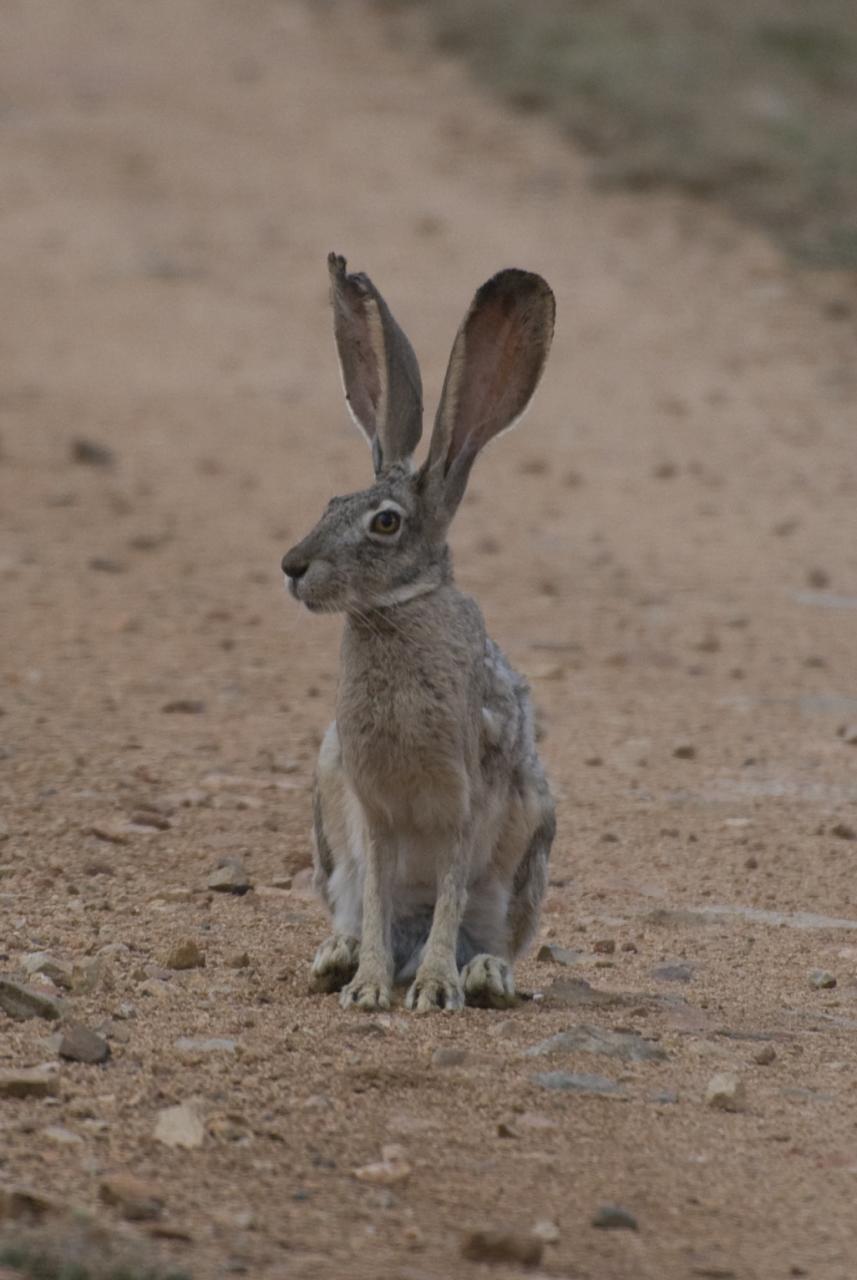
(754, 104)
(667, 547)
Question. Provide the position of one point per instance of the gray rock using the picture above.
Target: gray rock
(577, 993)
(77, 1043)
(626, 1045)
(22, 1002)
(230, 877)
(802, 1094)
(673, 973)
(612, 1217)
(59, 971)
(572, 1082)
(822, 980)
(765, 1056)
(36, 1083)
(192, 1044)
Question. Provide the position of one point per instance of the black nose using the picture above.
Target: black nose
(294, 568)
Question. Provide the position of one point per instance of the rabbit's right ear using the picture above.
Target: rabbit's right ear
(497, 359)
(380, 373)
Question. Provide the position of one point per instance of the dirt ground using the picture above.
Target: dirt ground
(666, 547)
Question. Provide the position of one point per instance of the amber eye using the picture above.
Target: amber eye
(386, 521)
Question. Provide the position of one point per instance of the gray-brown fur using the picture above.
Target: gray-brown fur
(433, 818)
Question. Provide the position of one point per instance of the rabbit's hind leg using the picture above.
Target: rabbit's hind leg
(486, 974)
(531, 873)
(488, 982)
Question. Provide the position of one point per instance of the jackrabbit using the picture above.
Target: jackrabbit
(433, 817)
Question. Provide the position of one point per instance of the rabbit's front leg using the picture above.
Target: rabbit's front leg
(437, 984)
(372, 985)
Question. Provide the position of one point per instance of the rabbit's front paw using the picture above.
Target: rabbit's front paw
(369, 992)
(335, 962)
(435, 989)
(488, 982)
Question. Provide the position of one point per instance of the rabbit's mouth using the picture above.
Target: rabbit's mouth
(313, 600)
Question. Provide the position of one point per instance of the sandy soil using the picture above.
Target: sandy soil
(667, 548)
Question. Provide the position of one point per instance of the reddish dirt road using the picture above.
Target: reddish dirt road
(667, 548)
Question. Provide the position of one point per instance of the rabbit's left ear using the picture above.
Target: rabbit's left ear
(380, 373)
(497, 359)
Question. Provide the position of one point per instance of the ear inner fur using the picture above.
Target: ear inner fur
(380, 373)
(495, 365)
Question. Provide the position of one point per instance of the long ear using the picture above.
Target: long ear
(380, 373)
(496, 362)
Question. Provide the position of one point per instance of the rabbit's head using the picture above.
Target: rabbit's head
(387, 544)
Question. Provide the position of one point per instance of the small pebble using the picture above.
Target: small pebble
(673, 973)
(822, 980)
(604, 946)
(612, 1217)
(184, 706)
(449, 1057)
(526, 1249)
(390, 1170)
(230, 877)
(90, 454)
(179, 1126)
(765, 1056)
(77, 1043)
(59, 971)
(684, 751)
(185, 954)
(413, 1237)
(726, 1092)
(137, 1201)
(193, 1045)
(549, 953)
(36, 1083)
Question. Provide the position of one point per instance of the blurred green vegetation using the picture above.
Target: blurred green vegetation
(750, 101)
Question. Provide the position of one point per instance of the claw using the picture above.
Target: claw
(363, 994)
(435, 992)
